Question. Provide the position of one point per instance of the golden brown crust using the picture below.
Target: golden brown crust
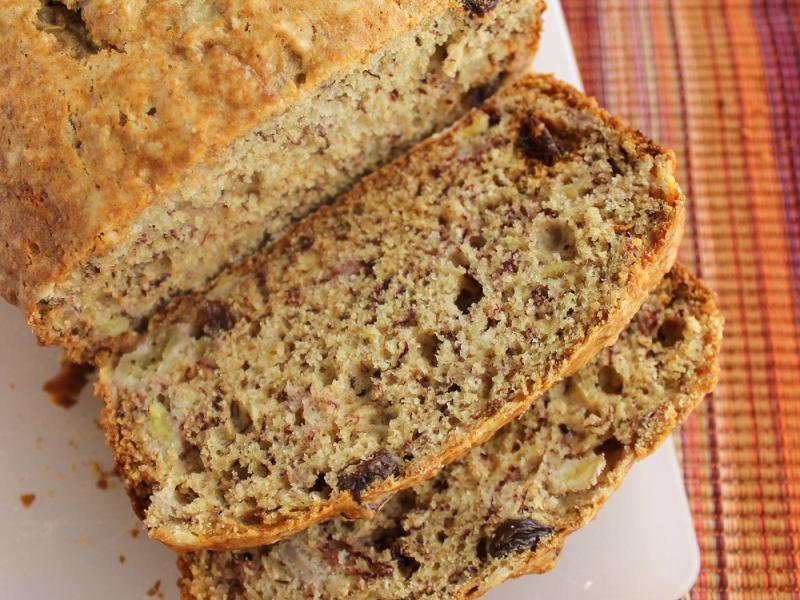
(644, 277)
(93, 132)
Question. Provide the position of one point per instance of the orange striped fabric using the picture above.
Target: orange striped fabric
(719, 81)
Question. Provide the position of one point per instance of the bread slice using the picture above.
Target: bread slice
(506, 507)
(387, 334)
(131, 137)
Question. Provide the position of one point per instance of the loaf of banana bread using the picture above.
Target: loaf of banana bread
(144, 145)
(387, 334)
(506, 507)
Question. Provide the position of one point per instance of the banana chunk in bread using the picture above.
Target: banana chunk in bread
(506, 507)
(390, 332)
(132, 133)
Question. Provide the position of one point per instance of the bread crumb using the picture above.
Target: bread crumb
(134, 532)
(64, 389)
(121, 559)
(101, 475)
(27, 499)
(156, 590)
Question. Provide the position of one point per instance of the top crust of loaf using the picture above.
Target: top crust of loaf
(107, 104)
(475, 207)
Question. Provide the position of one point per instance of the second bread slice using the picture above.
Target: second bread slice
(388, 334)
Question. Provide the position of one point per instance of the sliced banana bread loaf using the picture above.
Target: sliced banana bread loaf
(505, 508)
(135, 134)
(387, 334)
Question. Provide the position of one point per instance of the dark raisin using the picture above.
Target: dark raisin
(378, 467)
(479, 7)
(215, 316)
(515, 535)
(537, 143)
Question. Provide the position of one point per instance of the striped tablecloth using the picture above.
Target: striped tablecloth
(719, 81)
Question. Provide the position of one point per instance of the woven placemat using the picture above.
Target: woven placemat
(719, 81)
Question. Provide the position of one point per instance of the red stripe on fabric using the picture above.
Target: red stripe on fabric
(686, 156)
(758, 266)
(779, 112)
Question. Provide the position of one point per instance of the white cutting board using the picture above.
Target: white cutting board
(72, 540)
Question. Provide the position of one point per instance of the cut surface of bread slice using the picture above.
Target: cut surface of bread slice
(387, 334)
(505, 508)
(131, 137)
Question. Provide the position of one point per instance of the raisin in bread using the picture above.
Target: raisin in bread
(131, 135)
(387, 334)
(505, 508)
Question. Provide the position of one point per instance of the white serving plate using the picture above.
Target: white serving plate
(68, 543)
